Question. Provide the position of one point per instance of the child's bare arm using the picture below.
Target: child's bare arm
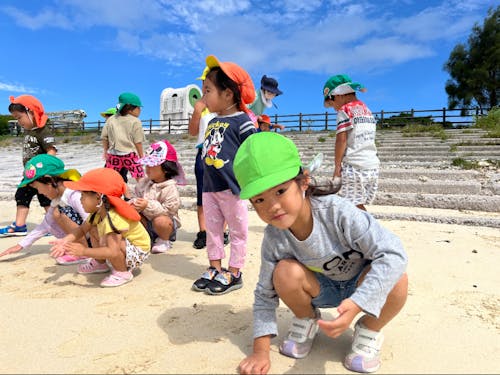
(340, 147)
(194, 121)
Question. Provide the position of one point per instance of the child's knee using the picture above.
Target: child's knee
(163, 223)
(288, 274)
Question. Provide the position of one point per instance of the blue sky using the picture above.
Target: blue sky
(81, 54)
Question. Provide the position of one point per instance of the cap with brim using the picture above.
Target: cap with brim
(204, 74)
(46, 165)
(256, 172)
(265, 119)
(34, 105)
(270, 84)
(128, 98)
(238, 75)
(106, 181)
(109, 112)
(341, 84)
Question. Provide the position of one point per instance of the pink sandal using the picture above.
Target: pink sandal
(117, 278)
(93, 266)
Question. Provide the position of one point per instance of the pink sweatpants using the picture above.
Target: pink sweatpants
(225, 206)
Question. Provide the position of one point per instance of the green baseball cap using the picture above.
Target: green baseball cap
(108, 112)
(256, 171)
(340, 84)
(128, 98)
(46, 165)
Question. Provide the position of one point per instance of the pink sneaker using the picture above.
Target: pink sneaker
(67, 260)
(93, 266)
(161, 246)
(117, 278)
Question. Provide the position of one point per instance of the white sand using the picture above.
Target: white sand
(57, 321)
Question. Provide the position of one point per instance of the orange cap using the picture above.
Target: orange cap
(265, 118)
(34, 105)
(238, 75)
(106, 181)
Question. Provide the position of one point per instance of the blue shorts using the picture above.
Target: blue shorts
(198, 172)
(333, 292)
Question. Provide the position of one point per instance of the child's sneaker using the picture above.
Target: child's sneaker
(117, 278)
(66, 260)
(201, 284)
(161, 246)
(224, 282)
(201, 240)
(300, 336)
(13, 230)
(365, 350)
(93, 266)
(226, 238)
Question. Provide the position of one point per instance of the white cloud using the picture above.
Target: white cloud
(45, 18)
(15, 87)
(314, 35)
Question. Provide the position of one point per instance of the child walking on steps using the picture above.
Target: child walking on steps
(46, 174)
(118, 238)
(356, 160)
(38, 139)
(156, 196)
(318, 251)
(227, 89)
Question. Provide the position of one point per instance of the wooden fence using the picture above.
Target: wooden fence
(326, 121)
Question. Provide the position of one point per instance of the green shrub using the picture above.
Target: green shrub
(490, 122)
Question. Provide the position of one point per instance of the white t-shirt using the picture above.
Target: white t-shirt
(206, 116)
(355, 118)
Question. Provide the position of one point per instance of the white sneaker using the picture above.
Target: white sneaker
(161, 246)
(365, 350)
(300, 337)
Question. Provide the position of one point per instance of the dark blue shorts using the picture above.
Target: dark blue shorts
(198, 172)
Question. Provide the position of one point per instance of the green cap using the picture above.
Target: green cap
(108, 112)
(128, 98)
(340, 84)
(256, 172)
(46, 165)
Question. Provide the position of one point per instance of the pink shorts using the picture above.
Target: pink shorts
(129, 162)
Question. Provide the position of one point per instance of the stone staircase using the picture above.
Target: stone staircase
(417, 178)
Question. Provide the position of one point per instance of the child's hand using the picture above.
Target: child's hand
(57, 248)
(12, 249)
(347, 312)
(257, 363)
(140, 204)
(199, 106)
(74, 248)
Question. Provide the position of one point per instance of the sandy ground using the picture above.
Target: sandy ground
(54, 320)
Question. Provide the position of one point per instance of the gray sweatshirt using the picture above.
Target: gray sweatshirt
(344, 239)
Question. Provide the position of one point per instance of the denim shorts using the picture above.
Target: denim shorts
(333, 292)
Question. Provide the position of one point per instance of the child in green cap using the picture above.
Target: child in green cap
(318, 251)
(46, 174)
(123, 137)
(356, 161)
(107, 114)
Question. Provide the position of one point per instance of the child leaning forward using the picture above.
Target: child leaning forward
(318, 251)
(120, 242)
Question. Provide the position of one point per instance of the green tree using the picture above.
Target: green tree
(475, 67)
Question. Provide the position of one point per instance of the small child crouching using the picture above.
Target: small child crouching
(118, 238)
(157, 198)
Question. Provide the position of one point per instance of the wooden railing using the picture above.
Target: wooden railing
(326, 121)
